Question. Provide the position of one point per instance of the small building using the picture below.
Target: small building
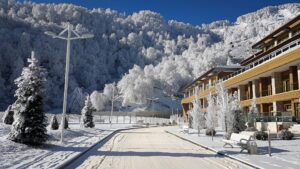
(272, 76)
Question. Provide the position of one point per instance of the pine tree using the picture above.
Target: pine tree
(238, 122)
(8, 117)
(30, 122)
(66, 123)
(54, 123)
(87, 113)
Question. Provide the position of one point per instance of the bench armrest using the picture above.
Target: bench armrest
(244, 141)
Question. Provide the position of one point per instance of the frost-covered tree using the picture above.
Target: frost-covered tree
(198, 117)
(30, 121)
(223, 110)
(170, 54)
(76, 101)
(8, 117)
(253, 113)
(87, 113)
(211, 115)
(54, 123)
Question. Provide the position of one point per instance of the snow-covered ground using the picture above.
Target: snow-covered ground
(53, 153)
(285, 153)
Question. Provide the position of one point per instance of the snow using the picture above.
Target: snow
(139, 52)
(53, 153)
(285, 153)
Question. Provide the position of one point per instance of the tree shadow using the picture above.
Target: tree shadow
(260, 151)
(265, 150)
(95, 151)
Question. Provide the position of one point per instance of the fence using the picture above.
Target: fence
(117, 118)
(105, 119)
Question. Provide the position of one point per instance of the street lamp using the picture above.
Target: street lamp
(71, 35)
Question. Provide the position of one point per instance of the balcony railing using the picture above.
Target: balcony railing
(281, 117)
(290, 87)
(274, 119)
(291, 45)
(265, 93)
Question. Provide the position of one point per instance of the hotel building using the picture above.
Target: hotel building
(272, 76)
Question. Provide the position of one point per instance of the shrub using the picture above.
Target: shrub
(54, 123)
(66, 123)
(8, 117)
(261, 135)
(210, 132)
(285, 134)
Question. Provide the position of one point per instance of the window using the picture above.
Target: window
(269, 89)
(286, 85)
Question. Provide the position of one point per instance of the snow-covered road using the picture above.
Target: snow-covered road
(152, 148)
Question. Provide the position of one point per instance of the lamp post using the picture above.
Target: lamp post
(71, 35)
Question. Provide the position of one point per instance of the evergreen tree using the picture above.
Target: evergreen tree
(66, 123)
(238, 122)
(8, 117)
(235, 121)
(54, 123)
(87, 113)
(30, 122)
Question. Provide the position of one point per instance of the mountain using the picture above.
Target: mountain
(146, 55)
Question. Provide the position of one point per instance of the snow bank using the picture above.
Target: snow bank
(53, 153)
(285, 153)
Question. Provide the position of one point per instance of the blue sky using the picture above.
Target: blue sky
(191, 11)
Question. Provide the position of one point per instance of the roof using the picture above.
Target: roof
(278, 31)
(261, 54)
(213, 71)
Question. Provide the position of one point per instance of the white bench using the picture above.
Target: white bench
(241, 140)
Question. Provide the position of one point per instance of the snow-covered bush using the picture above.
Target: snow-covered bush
(261, 135)
(87, 113)
(30, 121)
(54, 123)
(8, 117)
(285, 134)
(210, 132)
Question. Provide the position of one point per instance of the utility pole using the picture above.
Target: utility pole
(70, 31)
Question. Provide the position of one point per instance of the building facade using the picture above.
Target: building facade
(271, 76)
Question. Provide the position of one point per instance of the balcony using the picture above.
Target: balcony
(292, 43)
(265, 93)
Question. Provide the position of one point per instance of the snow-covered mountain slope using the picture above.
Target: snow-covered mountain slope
(146, 55)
